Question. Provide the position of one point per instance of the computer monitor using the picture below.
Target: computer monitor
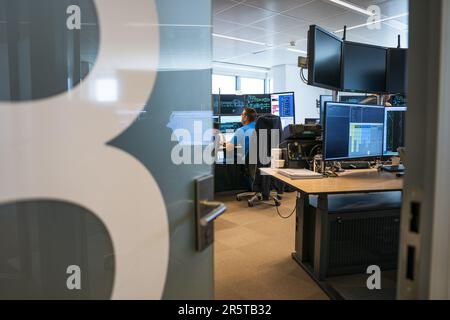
(394, 130)
(396, 77)
(364, 68)
(323, 100)
(353, 131)
(283, 105)
(231, 104)
(229, 124)
(324, 59)
(358, 99)
(260, 102)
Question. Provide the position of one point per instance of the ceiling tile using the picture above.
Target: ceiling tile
(226, 48)
(244, 14)
(277, 5)
(279, 23)
(394, 7)
(316, 11)
(248, 33)
(220, 5)
(276, 39)
(301, 45)
(299, 32)
(385, 36)
(268, 58)
(222, 27)
(365, 4)
(349, 19)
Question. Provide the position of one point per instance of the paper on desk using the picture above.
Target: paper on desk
(298, 174)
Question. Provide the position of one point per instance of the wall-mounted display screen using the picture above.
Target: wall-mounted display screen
(260, 102)
(396, 75)
(231, 104)
(325, 58)
(364, 68)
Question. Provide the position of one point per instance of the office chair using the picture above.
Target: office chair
(260, 152)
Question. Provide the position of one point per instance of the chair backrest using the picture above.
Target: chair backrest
(267, 136)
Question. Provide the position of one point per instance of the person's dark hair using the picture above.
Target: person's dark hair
(251, 114)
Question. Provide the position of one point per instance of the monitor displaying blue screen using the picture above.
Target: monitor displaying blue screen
(353, 131)
(283, 105)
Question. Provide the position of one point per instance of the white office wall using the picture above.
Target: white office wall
(286, 78)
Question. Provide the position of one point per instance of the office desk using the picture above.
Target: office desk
(350, 182)
(228, 177)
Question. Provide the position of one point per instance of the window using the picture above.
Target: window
(223, 84)
(252, 86)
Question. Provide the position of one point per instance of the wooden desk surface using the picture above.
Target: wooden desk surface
(351, 181)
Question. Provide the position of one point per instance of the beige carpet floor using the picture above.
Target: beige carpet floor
(252, 256)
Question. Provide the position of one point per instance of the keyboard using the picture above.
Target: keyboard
(355, 165)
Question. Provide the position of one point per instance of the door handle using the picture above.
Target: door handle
(206, 211)
(218, 208)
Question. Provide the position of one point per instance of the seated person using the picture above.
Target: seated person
(242, 138)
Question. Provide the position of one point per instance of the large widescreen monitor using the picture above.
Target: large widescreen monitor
(324, 59)
(396, 75)
(394, 130)
(231, 104)
(364, 68)
(260, 102)
(353, 131)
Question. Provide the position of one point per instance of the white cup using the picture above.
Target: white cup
(278, 164)
(277, 154)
